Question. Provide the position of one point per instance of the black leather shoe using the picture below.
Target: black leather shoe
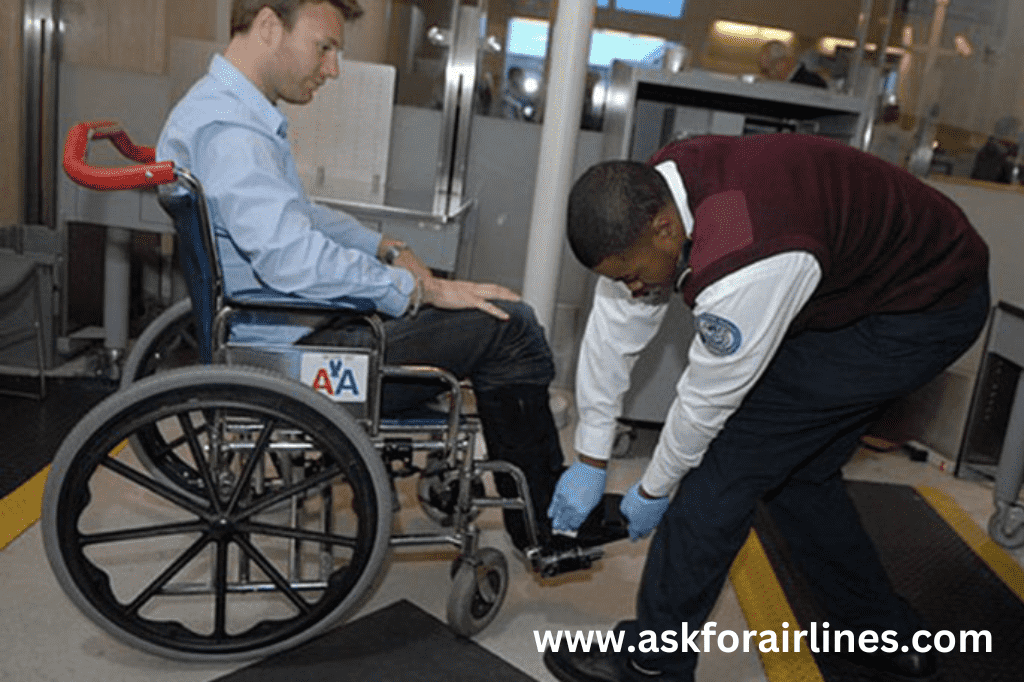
(596, 666)
(911, 665)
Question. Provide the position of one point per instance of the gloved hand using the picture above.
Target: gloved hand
(643, 514)
(577, 493)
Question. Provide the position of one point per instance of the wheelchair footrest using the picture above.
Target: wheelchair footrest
(551, 562)
(564, 553)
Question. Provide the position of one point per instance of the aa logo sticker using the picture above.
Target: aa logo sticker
(340, 376)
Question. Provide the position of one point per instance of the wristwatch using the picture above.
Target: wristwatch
(394, 251)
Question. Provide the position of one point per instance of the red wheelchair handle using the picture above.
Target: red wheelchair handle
(149, 172)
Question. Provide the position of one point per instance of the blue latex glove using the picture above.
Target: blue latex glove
(643, 514)
(578, 491)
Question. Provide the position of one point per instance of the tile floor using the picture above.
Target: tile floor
(45, 638)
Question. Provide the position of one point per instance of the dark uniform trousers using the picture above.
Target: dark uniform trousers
(785, 445)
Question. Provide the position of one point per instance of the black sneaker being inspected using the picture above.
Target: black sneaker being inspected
(604, 524)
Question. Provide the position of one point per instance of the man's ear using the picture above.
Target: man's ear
(667, 227)
(268, 26)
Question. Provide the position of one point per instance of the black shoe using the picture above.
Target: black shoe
(604, 524)
(912, 665)
(597, 666)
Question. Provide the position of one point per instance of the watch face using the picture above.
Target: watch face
(393, 252)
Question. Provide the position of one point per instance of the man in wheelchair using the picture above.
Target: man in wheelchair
(273, 240)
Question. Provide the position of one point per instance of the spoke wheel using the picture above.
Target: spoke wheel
(169, 342)
(285, 538)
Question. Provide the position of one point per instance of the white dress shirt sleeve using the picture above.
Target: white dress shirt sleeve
(760, 300)
(618, 328)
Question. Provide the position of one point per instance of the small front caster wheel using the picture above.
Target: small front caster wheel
(478, 590)
(1006, 526)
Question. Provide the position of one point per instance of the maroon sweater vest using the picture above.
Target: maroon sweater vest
(886, 242)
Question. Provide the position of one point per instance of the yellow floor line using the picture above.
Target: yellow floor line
(997, 558)
(22, 508)
(766, 608)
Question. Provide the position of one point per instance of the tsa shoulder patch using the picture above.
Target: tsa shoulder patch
(720, 336)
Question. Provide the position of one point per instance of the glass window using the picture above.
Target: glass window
(528, 37)
(528, 44)
(524, 66)
(661, 8)
(628, 47)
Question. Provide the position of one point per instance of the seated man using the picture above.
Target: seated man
(273, 240)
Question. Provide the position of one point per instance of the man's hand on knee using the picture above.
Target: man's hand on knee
(460, 294)
(578, 491)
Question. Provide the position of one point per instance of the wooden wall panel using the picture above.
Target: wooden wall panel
(117, 34)
(192, 19)
(10, 113)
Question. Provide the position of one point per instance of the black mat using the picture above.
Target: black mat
(399, 643)
(32, 430)
(935, 570)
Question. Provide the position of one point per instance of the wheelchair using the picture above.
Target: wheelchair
(231, 501)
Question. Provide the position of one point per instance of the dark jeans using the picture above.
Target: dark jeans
(510, 365)
(468, 343)
(785, 445)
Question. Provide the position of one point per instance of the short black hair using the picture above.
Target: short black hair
(243, 12)
(610, 206)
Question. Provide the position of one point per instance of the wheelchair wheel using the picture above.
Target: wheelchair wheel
(168, 342)
(286, 538)
(1006, 526)
(438, 492)
(478, 591)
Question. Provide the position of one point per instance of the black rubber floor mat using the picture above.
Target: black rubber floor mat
(32, 430)
(935, 570)
(399, 643)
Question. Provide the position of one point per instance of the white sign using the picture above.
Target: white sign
(342, 377)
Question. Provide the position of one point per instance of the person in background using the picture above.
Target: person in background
(776, 62)
(996, 160)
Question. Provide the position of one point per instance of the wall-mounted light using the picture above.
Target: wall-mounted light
(828, 45)
(908, 36)
(734, 29)
(963, 45)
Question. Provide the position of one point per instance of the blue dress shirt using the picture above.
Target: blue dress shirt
(272, 240)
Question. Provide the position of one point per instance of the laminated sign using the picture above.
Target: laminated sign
(342, 377)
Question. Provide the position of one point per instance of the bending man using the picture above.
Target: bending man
(824, 283)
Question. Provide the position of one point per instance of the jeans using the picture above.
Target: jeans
(468, 343)
(510, 365)
(786, 445)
